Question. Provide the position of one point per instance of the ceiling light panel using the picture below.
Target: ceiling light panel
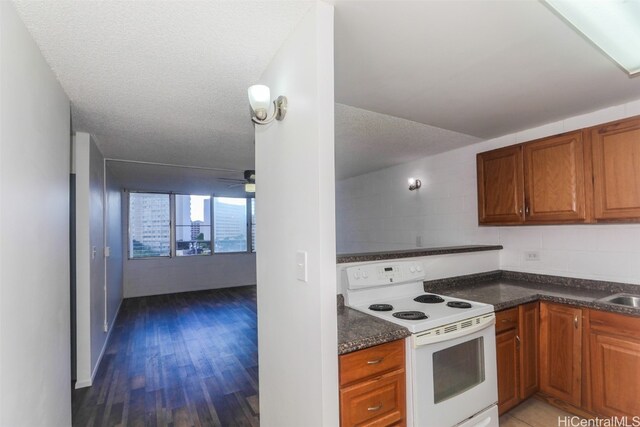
(612, 25)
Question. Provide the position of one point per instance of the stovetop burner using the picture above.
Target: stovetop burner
(458, 304)
(428, 299)
(381, 307)
(410, 315)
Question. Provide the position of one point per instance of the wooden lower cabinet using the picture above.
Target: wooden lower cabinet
(614, 342)
(517, 354)
(529, 331)
(372, 386)
(561, 352)
(508, 372)
(585, 361)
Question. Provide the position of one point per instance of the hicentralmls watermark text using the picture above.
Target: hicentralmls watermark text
(570, 421)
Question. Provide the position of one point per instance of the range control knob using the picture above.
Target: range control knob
(412, 269)
(356, 275)
(419, 268)
(364, 275)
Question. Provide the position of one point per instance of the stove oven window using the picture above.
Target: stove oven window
(457, 369)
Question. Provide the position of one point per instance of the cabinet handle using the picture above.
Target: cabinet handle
(526, 210)
(375, 408)
(575, 321)
(518, 341)
(375, 361)
(520, 211)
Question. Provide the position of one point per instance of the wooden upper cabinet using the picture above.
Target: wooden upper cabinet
(500, 181)
(554, 179)
(616, 170)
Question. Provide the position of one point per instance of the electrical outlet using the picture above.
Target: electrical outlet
(532, 256)
(419, 241)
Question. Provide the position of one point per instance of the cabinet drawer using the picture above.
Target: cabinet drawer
(377, 402)
(615, 324)
(506, 319)
(371, 361)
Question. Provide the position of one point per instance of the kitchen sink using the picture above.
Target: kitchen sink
(627, 300)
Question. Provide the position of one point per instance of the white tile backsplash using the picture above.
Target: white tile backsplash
(377, 212)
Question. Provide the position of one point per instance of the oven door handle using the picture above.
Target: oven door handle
(454, 330)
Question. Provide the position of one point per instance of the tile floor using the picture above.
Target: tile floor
(535, 413)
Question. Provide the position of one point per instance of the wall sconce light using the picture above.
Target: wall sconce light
(250, 181)
(414, 184)
(260, 99)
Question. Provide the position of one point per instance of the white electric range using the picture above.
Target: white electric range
(451, 353)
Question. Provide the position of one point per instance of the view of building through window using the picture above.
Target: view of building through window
(193, 225)
(230, 224)
(149, 225)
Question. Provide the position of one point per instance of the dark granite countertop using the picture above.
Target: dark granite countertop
(410, 253)
(505, 289)
(357, 330)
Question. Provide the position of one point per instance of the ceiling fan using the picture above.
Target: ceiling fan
(249, 181)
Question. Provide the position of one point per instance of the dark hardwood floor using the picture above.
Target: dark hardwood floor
(188, 359)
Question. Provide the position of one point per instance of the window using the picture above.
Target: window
(149, 225)
(193, 225)
(230, 224)
(165, 225)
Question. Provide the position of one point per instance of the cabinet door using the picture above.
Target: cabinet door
(616, 170)
(529, 331)
(615, 375)
(554, 179)
(614, 342)
(500, 186)
(507, 360)
(561, 352)
(378, 402)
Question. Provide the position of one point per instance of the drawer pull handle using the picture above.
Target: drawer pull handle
(375, 408)
(575, 321)
(375, 361)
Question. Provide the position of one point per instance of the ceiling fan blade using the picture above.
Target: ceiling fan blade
(235, 180)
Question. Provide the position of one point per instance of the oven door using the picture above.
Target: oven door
(452, 380)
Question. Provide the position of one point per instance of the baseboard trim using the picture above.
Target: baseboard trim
(89, 382)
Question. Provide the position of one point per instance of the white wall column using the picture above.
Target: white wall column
(35, 366)
(295, 210)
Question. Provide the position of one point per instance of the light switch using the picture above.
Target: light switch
(107, 251)
(301, 266)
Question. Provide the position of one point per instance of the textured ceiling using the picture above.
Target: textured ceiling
(367, 141)
(149, 177)
(166, 81)
(163, 81)
(479, 67)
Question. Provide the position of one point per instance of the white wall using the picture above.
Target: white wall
(91, 266)
(377, 212)
(297, 331)
(35, 369)
(157, 276)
